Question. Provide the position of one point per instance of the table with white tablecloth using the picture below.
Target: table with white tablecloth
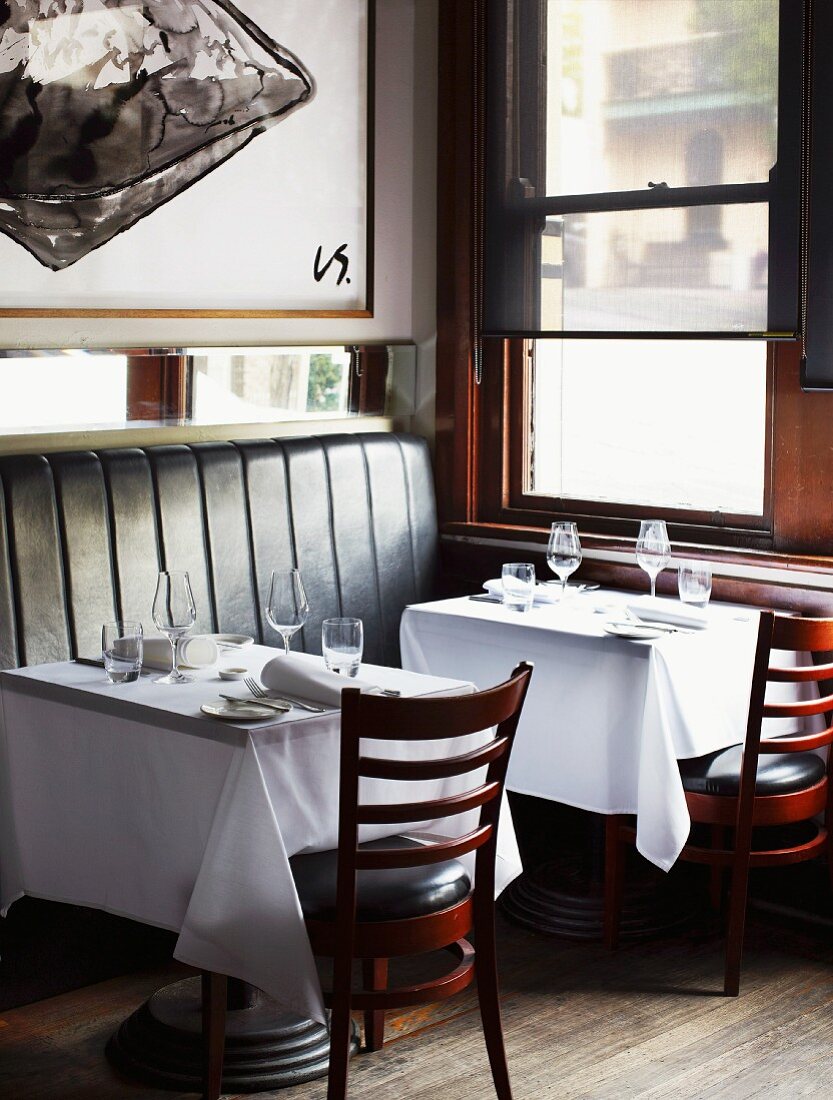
(606, 717)
(126, 799)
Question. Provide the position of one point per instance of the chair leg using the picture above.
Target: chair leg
(717, 873)
(488, 993)
(375, 972)
(213, 1032)
(737, 921)
(341, 1029)
(614, 880)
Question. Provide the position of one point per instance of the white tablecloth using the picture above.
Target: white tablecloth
(125, 798)
(606, 719)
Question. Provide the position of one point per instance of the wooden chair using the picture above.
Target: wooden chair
(394, 897)
(776, 781)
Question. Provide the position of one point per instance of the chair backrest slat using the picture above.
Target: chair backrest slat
(375, 859)
(798, 742)
(804, 708)
(377, 767)
(402, 812)
(800, 674)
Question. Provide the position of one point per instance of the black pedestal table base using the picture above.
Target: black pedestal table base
(561, 899)
(266, 1048)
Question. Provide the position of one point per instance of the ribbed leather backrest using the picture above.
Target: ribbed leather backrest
(83, 536)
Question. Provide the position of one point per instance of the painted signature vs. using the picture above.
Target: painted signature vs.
(340, 254)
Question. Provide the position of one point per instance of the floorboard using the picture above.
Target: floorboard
(647, 1021)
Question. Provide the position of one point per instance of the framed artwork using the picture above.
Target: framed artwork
(184, 158)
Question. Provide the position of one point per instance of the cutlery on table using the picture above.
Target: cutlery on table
(669, 628)
(273, 704)
(259, 694)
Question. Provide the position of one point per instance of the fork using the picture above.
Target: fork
(258, 692)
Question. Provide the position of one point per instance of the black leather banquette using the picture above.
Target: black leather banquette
(83, 535)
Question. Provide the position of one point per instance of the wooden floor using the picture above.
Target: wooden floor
(645, 1022)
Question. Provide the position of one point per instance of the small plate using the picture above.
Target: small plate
(636, 632)
(238, 712)
(236, 641)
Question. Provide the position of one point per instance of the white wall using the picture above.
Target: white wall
(405, 253)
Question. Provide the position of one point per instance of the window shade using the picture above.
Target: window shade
(643, 167)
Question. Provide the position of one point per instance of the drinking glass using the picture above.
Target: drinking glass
(174, 614)
(121, 648)
(653, 550)
(518, 585)
(287, 607)
(563, 551)
(694, 581)
(342, 641)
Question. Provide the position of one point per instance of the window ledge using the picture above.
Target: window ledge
(614, 557)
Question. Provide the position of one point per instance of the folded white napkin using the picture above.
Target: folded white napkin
(198, 651)
(295, 676)
(544, 593)
(655, 609)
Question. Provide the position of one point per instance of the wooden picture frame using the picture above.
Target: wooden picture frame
(203, 161)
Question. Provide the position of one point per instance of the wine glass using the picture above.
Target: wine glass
(653, 550)
(287, 607)
(174, 614)
(563, 552)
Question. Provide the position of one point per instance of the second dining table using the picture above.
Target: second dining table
(607, 717)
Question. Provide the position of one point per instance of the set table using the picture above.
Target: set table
(606, 718)
(125, 798)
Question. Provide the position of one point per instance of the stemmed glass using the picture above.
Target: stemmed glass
(287, 607)
(174, 614)
(563, 551)
(653, 550)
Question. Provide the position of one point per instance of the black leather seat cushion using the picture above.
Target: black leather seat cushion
(394, 894)
(719, 772)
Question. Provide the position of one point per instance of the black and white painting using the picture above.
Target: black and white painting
(184, 154)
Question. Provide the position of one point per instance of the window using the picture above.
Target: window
(523, 422)
(53, 393)
(67, 392)
(637, 423)
(248, 386)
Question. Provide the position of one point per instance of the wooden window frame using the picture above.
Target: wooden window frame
(474, 456)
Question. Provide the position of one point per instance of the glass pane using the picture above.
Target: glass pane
(702, 269)
(62, 393)
(676, 91)
(637, 422)
(245, 387)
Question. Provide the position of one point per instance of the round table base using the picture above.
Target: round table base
(266, 1048)
(562, 899)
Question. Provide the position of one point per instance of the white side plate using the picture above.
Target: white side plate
(238, 641)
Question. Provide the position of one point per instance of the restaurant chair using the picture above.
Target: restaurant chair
(398, 896)
(766, 781)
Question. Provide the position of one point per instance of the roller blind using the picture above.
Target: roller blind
(643, 168)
